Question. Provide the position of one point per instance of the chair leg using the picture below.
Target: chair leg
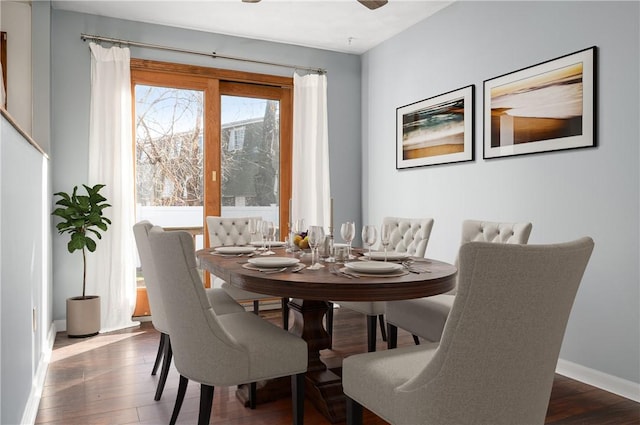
(182, 390)
(256, 307)
(206, 402)
(166, 365)
(159, 354)
(416, 340)
(297, 394)
(253, 394)
(383, 331)
(354, 412)
(330, 323)
(285, 314)
(392, 336)
(371, 333)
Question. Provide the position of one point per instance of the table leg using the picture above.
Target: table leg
(323, 387)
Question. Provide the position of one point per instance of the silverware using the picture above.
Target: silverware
(413, 268)
(338, 272)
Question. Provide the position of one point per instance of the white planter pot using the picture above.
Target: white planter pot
(83, 316)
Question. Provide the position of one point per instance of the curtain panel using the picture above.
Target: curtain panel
(111, 269)
(311, 193)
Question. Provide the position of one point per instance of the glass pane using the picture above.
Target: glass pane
(169, 157)
(250, 157)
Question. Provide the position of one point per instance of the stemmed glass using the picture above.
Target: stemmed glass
(385, 238)
(348, 232)
(369, 236)
(268, 230)
(254, 228)
(316, 238)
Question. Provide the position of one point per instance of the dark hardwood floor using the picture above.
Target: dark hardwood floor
(107, 379)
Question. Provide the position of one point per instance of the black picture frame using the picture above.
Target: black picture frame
(437, 130)
(546, 107)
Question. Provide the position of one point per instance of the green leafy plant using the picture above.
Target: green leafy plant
(83, 218)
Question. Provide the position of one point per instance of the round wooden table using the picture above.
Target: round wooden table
(309, 291)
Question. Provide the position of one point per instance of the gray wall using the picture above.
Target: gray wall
(70, 82)
(566, 195)
(24, 221)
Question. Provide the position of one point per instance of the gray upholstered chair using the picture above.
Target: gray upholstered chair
(218, 350)
(220, 301)
(496, 360)
(234, 231)
(425, 317)
(410, 235)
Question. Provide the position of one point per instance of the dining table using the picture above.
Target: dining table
(309, 291)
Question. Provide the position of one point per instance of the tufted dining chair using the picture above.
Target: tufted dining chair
(225, 231)
(410, 235)
(218, 350)
(425, 317)
(494, 365)
(220, 301)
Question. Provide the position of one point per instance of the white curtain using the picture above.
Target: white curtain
(111, 268)
(311, 192)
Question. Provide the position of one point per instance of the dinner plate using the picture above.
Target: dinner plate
(396, 273)
(273, 261)
(274, 244)
(375, 267)
(391, 256)
(234, 249)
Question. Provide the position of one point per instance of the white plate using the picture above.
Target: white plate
(377, 267)
(234, 249)
(274, 244)
(391, 256)
(273, 261)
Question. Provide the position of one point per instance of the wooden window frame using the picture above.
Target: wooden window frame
(148, 71)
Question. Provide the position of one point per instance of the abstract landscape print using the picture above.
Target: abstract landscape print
(542, 108)
(437, 130)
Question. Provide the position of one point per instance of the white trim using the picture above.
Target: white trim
(37, 386)
(604, 381)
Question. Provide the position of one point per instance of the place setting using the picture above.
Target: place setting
(274, 264)
(234, 251)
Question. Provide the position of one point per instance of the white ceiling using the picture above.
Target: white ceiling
(338, 25)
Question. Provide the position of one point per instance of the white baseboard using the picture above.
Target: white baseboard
(613, 384)
(60, 325)
(37, 386)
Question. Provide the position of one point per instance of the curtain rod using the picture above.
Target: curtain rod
(213, 55)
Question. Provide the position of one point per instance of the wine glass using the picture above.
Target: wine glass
(271, 236)
(265, 232)
(385, 237)
(348, 232)
(316, 238)
(254, 227)
(369, 236)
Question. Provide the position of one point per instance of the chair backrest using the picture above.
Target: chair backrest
(158, 316)
(228, 231)
(196, 333)
(500, 345)
(494, 232)
(410, 235)
(490, 231)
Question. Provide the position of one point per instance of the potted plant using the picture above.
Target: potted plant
(83, 218)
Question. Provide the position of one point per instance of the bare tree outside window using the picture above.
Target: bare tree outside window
(169, 146)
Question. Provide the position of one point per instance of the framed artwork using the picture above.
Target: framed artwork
(438, 130)
(546, 107)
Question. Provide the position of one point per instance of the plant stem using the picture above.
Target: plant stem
(84, 271)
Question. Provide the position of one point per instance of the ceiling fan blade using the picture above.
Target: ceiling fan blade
(373, 4)
(250, 1)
